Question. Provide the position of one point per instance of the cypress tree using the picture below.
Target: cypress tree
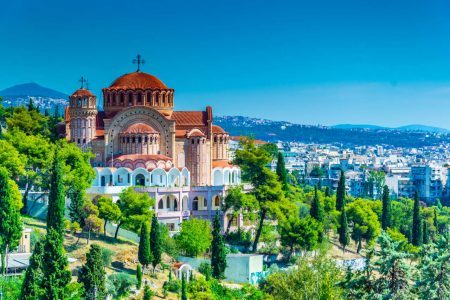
(327, 192)
(344, 238)
(56, 274)
(92, 274)
(139, 276)
(316, 211)
(281, 170)
(155, 242)
(10, 223)
(426, 236)
(435, 220)
(183, 287)
(340, 193)
(386, 214)
(31, 106)
(144, 252)
(31, 286)
(218, 255)
(416, 222)
(76, 212)
(56, 198)
(148, 293)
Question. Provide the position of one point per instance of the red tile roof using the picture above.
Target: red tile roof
(190, 118)
(82, 93)
(137, 80)
(217, 129)
(221, 164)
(142, 157)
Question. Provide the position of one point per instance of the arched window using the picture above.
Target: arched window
(217, 201)
(175, 205)
(160, 204)
(195, 204)
(168, 202)
(205, 202)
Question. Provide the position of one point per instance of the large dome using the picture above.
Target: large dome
(137, 80)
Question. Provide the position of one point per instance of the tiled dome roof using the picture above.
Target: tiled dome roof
(139, 128)
(82, 93)
(137, 80)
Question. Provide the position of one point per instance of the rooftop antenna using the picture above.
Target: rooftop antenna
(139, 61)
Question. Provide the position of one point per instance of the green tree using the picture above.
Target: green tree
(92, 274)
(317, 211)
(344, 238)
(108, 211)
(31, 286)
(56, 198)
(155, 242)
(144, 251)
(386, 212)
(377, 180)
(360, 284)
(91, 221)
(266, 187)
(299, 233)
(148, 293)
(11, 159)
(139, 276)
(194, 237)
(234, 201)
(394, 274)
(55, 266)
(340, 193)
(364, 222)
(315, 278)
(218, 253)
(434, 270)
(281, 171)
(416, 222)
(134, 208)
(10, 223)
(183, 287)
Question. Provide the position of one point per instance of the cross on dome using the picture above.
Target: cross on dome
(139, 61)
(83, 81)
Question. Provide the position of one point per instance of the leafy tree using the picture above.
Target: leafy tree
(76, 205)
(31, 287)
(134, 208)
(139, 276)
(344, 238)
(299, 233)
(386, 212)
(108, 211)
(317, 211)
(377, 180)
(119, 285)
(266, 187)
(194, 237)
(206, 270)
(340, 193)
(360, 284)
(155, 242)
(11, 159)
(434, 270)
(394, 272)
(218, 253)
(364, 221)
(281, 171)
(91, 222)
(10, 223)
(312, 279)
(56, 198)
(92, 274)
(56, 274)
(144, 252)
(234, 201)
(183, 287)
(148, 293)
(317, 172)
(37, 155)
(416, 222)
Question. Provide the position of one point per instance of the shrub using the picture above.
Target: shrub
(119, 285)
(173, 286)
(107, 256)
(205, 269)
(148, 293)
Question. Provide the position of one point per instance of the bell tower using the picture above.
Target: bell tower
(82, 114)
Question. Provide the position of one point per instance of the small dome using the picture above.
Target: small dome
(137, 80)
(82, 93)
(217, 129)
(139, 128)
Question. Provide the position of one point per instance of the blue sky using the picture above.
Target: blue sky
(312, 62)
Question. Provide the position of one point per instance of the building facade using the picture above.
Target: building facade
(180, 158)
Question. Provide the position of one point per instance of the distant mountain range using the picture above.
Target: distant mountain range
(347, 134)
(412, 127)
(42, 97)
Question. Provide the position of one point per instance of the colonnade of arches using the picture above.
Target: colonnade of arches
(226, 176)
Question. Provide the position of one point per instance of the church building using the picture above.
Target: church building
(180, 158)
